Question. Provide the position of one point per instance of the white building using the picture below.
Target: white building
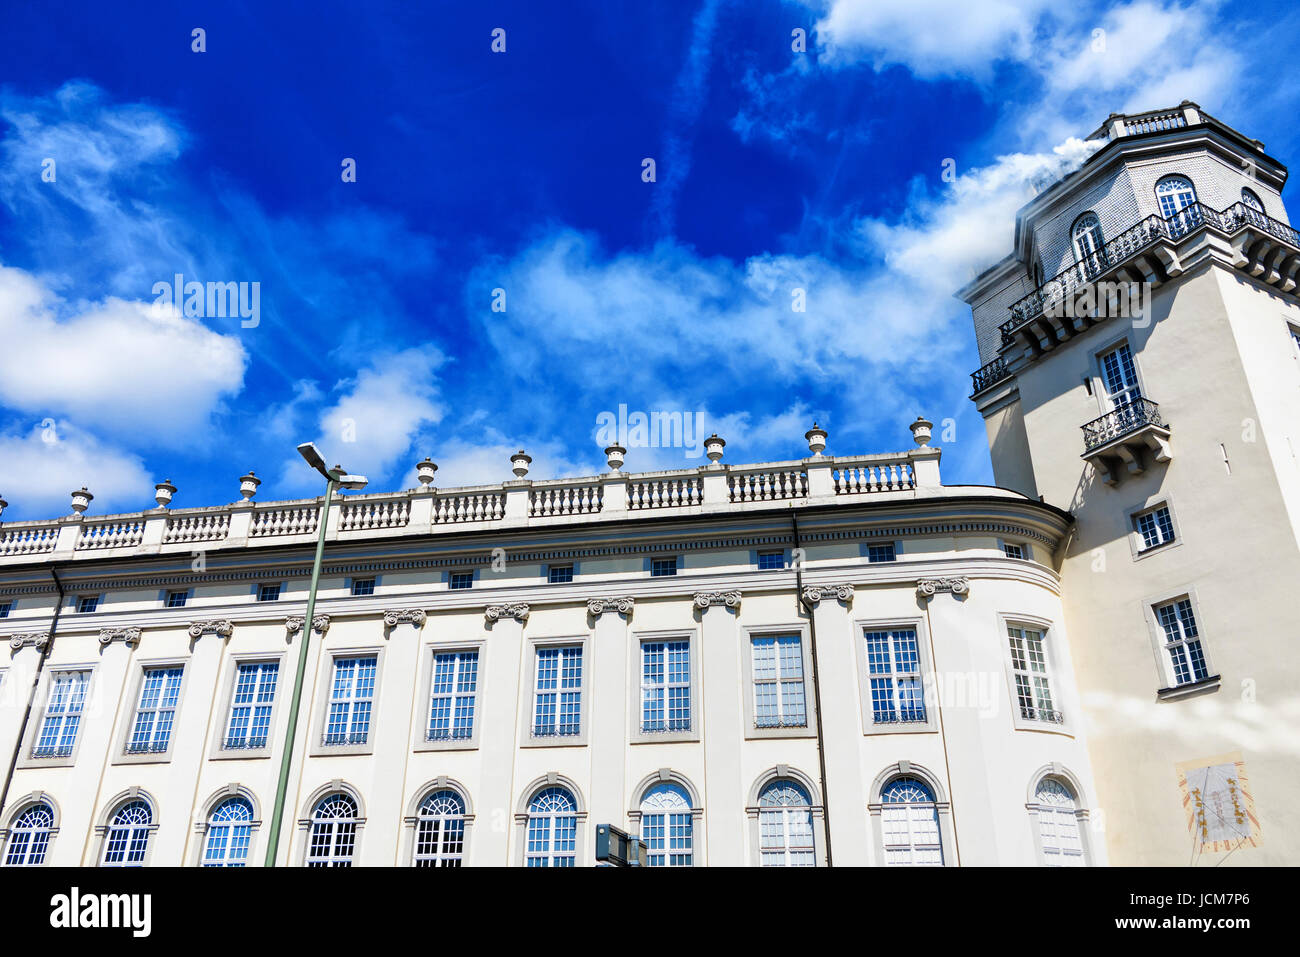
(737, 662)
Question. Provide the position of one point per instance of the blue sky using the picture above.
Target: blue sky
(522, 171)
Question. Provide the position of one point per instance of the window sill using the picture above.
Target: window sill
(554, 741)
(143, 757)
(664, 737)
(321, 750)
(781, 731)
(901, 727)
(1204, 686)
(447, 744)
(238, 754)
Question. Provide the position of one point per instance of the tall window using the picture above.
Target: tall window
(1182, 641)
(785, 829)
(1251, 201)
(1156, 526)
(333, 832)
(911, 823)
(552, 829)
(230, 831)
(440, 830)
(1029, 668)
(352, 696)
(62, 715)
(1175, 194)
(1088, 240)
(557, 708)
(251, 703)
(1058, 824)
(455, 684)
(665, 686)
(29, 837)
(151, 732)
(1120, 375)
(127, 839)
(894, 669)
(666, 826)
(778, 682)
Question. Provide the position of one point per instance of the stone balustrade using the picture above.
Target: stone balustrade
(615, 495)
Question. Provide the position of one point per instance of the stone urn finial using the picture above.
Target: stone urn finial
(921, 431)
(425, 470)
(248, 485)
(614, 457)
(519, 463)
(816, 437)
(81, 500)
(163, 492)
(713, 447)
(3, 505)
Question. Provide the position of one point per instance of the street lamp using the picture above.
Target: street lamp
(334, 478)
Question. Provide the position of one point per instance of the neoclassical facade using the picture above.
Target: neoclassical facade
(832, 659)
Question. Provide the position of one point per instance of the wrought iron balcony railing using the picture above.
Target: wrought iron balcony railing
(902, 716)
(989, 374)
(1134, 240)
(344, 738)
(244, 744)
(146, 747)
(1120, 422)
(449, 734)
(1041, 714)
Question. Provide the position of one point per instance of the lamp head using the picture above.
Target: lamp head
(353, 483)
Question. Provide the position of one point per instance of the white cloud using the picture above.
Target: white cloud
(931, 38)
(375, 420)
(39, 468)
(113, 364)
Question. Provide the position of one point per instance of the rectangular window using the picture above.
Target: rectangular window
(87, 603)
(894, 670)
(1120, 376)
(268, 592)
(457, 580)
(557, 707)
(1029, 668)
(665, 686)
(559, 574)
(771, 560)
(1155, 526)
(778, 682)
(352, 695)
(5, 608)
(156, 714)
(881, 553)
(363, 586)
(1013, 551)
(455, 686)
(250, 705)
(1182, 641)
(62, 715)
(177, 599)
(660, 567)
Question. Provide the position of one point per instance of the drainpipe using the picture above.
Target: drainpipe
(817, 688)
(31, 692)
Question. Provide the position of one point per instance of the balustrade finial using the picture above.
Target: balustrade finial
(425, 470)
(614, 457)
(3, 505)
(163, 492)
(816, 438)
(519, 463)
(921, 431)
(713, 447)
(81, 500)
(248, 485)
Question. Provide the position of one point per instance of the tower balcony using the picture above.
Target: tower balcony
(1128, 436)
(1147, 254)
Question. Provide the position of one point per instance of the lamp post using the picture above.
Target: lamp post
(334, 478)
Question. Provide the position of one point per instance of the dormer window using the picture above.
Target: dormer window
(1175, 194)
(1087, 237)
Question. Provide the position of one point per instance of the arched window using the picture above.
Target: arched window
(1060, 836)
(127, 839)
(1175, 193)
(785, 828)
(552, 829)
(333, 831)
(1249, 199)
(1087, 238)
(666, 826)
(440, 830)
(911, 823)
(230, 831)
(29, 837)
